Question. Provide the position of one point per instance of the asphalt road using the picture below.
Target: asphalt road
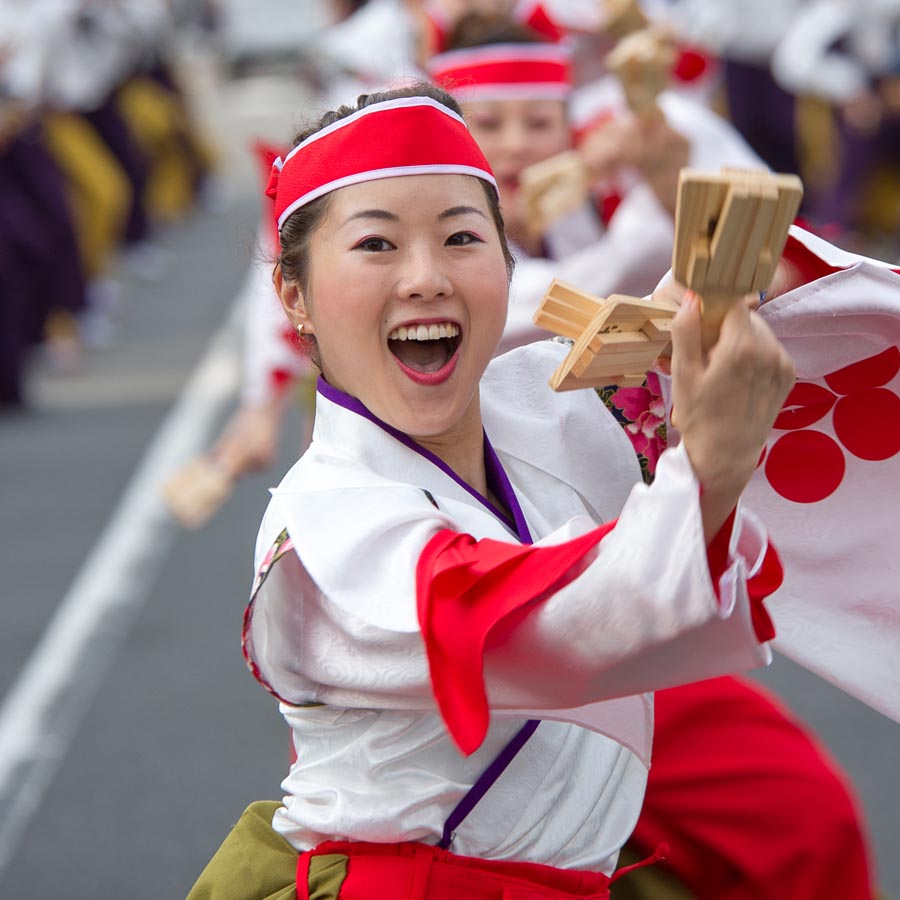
(158, 736)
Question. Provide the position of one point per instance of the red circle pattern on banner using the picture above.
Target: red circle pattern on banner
(869, 373)
(806, 403)
(867, 423)
(807, 466)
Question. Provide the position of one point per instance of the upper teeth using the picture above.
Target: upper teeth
(424, 332)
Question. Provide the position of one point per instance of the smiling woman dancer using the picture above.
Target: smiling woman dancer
(458, 628)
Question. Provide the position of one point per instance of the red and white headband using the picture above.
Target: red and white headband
(504, 72)
(408, 136)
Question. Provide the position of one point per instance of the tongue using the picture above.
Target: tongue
(422, 356)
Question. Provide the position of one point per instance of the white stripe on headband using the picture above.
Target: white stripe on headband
(466, 93)
(376, 174)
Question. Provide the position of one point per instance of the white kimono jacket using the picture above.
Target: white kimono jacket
(333, 621)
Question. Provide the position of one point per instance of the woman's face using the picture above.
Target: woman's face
(514, 134)
(406, 297)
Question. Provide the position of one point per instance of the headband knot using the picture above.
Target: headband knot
(274, 178)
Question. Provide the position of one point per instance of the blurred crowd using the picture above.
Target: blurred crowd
(812, 85)
(99, 150)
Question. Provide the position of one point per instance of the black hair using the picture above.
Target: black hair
(479, 30)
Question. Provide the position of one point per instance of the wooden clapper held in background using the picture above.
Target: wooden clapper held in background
(730, 231)
(622, 17)
(558, 185)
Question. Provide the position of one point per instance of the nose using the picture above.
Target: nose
(424, 274)
(514, 141)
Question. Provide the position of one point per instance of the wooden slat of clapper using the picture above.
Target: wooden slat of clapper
(725, 249)
(622, 17)
(757, 239)
(730, 232)
(619, 345)
(790, 195)
(566, 310)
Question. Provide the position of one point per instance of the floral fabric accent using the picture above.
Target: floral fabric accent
(641, 411)
(282, 544)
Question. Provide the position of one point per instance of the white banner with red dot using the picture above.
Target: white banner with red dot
(828, 484)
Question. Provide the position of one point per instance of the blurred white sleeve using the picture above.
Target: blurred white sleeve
(805, 63)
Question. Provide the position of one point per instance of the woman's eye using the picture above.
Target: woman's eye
(461, 238)
(374, 245)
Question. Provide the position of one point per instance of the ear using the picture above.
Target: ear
(292, 301)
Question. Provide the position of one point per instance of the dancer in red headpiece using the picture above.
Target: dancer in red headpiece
(463, 588)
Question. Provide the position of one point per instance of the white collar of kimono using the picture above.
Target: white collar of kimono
(497, 478)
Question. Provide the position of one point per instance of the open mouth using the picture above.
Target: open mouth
(425, 348)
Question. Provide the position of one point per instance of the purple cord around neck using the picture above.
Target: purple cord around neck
(497, 480)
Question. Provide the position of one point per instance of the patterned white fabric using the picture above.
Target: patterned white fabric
(838, 612)
(831, 472)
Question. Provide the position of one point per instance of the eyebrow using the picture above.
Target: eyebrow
(386, 216)
(460, 211)
(373, 214)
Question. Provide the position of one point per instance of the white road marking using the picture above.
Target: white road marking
(42, 711)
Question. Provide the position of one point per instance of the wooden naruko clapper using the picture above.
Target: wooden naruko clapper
(730, 231)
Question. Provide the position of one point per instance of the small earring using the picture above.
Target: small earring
(300, 330)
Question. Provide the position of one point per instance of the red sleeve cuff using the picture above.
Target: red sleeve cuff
(765, 581)
(465, 588)
(717, 554)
